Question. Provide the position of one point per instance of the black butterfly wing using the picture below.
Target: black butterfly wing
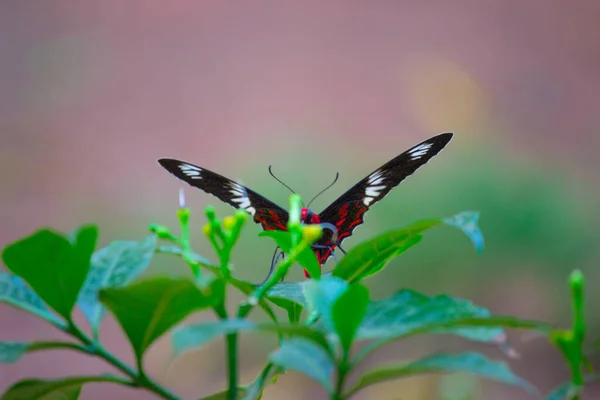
(347, 212)
(264, 211)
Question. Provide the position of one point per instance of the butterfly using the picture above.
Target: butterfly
(339, 219)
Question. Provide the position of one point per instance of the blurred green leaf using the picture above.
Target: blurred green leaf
(294, 310)
(197, 335)
(467, 222)
(371, 256)
(307, 358)
(10, 352)
(306, 258)
(113, 266)
(321, 295)
(293, 291)
(566, 391)
(367, 258)
(407, 310)
(15, 292)
(53, 266)
(348, 311)
(408, 313)
(147, 309)
(224, 395)
(59, 389)
(473, 363)
(255, 390)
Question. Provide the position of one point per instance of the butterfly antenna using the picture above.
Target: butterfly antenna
(337, 175)
(280, 181)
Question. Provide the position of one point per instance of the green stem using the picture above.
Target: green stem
(343, 369)
(231, 342)
(96, 349)
(279, 273)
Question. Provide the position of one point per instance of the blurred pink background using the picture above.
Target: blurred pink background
(92, 93)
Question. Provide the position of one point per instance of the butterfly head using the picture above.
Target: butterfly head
(309, 217)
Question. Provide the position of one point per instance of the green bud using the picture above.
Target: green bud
(577, 283)
(184, 215)
(295, 208)
(162, 232)
(210, 213)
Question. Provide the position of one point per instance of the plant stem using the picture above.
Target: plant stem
(342, 371)
(341, 378)
(137, 378)
(231, 340)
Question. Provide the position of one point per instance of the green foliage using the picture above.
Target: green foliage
(347, 313)
(16, 293)
(10, 352)
(371, 256)
(113, 266)
(60, 389)
(61, 265)
(147, 309)
(473, 363)
(52, 273)
(305, 357)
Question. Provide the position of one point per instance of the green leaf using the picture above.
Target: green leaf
(293, 291)
(321, 295)
(113, 266)
(409, 313)
(408, 310)
(348, 312)
(224, 395)
(255, 389)
(566, 391)
(53, 266)
(294, 310)
(307, 358)
(371, 256)
(467, 222)
(473, 363)
(147, 309)
(60, 389)
(10, 352)
(306, 258)
(15, 292)
(197, 335)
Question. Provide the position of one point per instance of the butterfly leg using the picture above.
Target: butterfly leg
(274, 262)
(323, 246)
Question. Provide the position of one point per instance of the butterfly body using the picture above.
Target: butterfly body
(339, 219)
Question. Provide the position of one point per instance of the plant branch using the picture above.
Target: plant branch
(231, 340)
(96, 349)
(342, 372)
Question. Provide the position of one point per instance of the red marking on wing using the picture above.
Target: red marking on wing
(269, 220)
(348, 217)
